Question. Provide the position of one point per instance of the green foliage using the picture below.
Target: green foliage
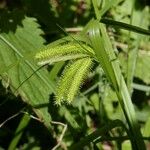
(101, 112)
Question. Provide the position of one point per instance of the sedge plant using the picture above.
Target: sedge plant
(81, 52)
(94, 46)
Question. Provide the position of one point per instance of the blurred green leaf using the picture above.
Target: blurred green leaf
(143, 114)
(95, 101)
(111, 105)
(143, 68)
(126, 145)
(142, 65)
(146, 131)
(69, 117)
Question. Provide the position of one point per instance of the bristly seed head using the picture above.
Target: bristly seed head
(63, 52)
(74, 73)
(72, 80)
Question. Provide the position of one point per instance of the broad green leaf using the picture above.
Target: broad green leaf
(13, 47)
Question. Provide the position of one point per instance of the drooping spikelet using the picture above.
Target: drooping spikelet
(65, 80)
(71, 80)
(62, 53)
(74, 73)
(79, 77)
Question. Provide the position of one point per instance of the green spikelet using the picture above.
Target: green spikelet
(65, 81)
(63, 52)
(74, 73)
(79, 77)
(71, 80)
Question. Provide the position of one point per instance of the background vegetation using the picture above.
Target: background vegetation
(29, 118)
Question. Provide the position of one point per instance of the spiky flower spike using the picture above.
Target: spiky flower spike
(74, 73)
(79, 77)
(63, 52)
(71, 80)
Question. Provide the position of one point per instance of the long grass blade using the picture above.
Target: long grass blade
(125, 26)
(105, 54)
